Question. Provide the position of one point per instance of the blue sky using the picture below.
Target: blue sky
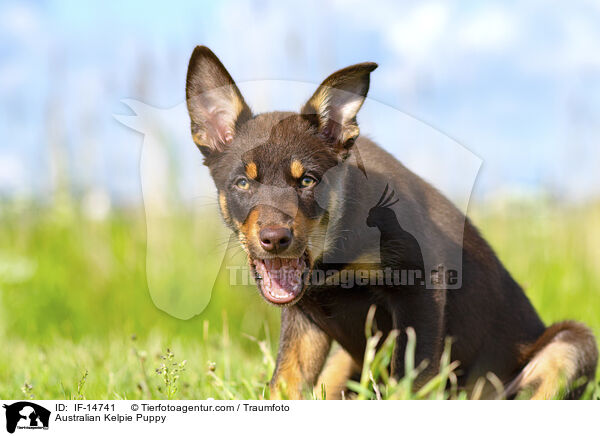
(517, 83)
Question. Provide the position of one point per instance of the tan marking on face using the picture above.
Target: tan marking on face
(251, 170)
(297, 169)
(304, 226)
(223, 204)
(313, 231)
(310, 233)
(249, 227)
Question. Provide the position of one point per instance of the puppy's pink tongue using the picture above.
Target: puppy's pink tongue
(281, 278)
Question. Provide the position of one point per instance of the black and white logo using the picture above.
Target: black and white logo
(26, 415)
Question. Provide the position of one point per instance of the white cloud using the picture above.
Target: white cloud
(19, 19)
(419, 30)
(492, 28)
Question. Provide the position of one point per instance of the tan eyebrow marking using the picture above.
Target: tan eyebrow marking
(297, 169)
(251, 170)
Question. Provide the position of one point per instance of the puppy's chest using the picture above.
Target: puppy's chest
(342, 314)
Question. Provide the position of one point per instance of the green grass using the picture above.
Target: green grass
(77, 319)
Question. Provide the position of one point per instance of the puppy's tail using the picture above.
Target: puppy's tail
(559, 364)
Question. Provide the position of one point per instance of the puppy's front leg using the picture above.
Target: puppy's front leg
(339, 369)
(303, 348)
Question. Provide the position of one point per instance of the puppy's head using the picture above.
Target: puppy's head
(267, 168)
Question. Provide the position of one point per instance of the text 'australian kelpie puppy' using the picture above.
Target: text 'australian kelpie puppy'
(313, 204)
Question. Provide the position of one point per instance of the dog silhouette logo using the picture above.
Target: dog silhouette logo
(26, 415)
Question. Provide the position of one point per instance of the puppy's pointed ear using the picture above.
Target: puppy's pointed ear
(334, 105)
(214, 102)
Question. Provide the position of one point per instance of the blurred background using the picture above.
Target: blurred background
(515, 83)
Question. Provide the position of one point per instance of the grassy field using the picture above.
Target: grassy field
(77, 320)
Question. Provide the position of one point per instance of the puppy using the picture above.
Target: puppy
(306, 195)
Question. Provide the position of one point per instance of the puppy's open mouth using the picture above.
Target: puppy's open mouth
(281, 280)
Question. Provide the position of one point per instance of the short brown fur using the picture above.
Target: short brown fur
(494, 328)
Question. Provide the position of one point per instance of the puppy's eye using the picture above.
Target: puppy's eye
(243, 184)
(307, 182)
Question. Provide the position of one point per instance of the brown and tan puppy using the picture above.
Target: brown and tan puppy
(270, 171)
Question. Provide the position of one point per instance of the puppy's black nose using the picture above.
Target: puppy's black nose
(275, 238)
